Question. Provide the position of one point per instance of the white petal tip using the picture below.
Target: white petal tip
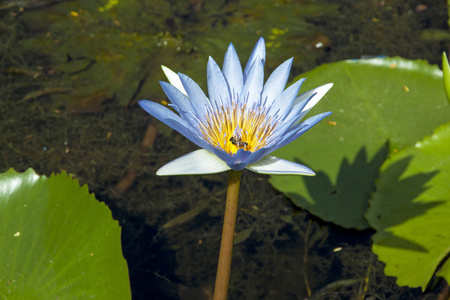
(169, 73)
(174, 79)
(317, 93)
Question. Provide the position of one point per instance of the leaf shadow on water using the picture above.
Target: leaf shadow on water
(396, 203)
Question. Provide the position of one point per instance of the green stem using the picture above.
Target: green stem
(226, 246)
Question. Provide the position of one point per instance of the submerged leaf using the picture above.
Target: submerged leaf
(189, 215)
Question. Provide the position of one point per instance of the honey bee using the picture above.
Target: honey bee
(238, 142)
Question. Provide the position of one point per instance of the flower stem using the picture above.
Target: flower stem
(226, 246)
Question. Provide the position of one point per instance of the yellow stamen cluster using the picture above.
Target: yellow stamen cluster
(234, 127)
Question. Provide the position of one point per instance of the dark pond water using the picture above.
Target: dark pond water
(73, 71)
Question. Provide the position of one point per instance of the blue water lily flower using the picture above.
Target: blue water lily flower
(242, 121)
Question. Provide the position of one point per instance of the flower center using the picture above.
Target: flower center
(234, 127)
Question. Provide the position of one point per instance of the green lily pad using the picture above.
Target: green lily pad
(57, 241)
(446, 71)
(410, 211)
(379, 106)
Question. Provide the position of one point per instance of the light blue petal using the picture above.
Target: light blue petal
(176, 97)
(274, 165)
(199, 101)
(251, 91)
(276, 83)
(288, 121)
(283, 139)
(257, 155)
(218, 90)
(197, 162)
(172, 120)
(298, 130)
(217, 85)
(303, 104)
(236, 162)
(161, 112)
(240, 159)
(284, 102)
(319, 93)
(233, 71)
(258, 52)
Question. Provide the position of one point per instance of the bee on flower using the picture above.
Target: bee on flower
(242, 121)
